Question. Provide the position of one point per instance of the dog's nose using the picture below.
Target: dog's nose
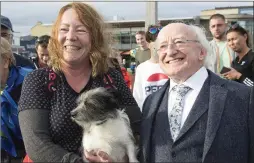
(73, 114)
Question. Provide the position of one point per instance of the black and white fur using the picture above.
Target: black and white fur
(106, 126)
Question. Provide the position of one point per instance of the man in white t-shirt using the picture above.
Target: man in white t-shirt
(149, 76)
(223, 55)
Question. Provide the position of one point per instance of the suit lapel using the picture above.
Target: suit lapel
(148, 120)
(199, 108)
(217, 100)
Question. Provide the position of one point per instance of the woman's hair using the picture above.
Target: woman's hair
(240, 30)
(43, 41)
(152, 37)
(6, 52)
(114, 58)
(99, 38)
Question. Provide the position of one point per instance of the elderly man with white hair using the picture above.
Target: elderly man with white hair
(196, 116)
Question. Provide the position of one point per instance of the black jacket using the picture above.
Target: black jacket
(22, 61)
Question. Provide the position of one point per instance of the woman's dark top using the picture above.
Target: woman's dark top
(246, 68)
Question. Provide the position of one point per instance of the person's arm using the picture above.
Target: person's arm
(34, 108)
(249, 81)
(38, 142)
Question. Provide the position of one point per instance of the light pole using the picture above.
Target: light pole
(151, 13)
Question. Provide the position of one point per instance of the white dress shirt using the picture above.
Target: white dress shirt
(196, 82)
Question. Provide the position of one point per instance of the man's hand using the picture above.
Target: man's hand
(232, 74)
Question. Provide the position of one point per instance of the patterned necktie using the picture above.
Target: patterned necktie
(175, 115)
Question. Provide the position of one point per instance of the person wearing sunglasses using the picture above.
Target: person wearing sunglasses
(41, 46)
(222, 54)
(243, 66)
(149, 77)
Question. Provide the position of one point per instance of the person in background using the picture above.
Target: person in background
(12, 146)
(7, 33)
(79, 50)
(149, 77)
(41, 46)
(243, 66)
(142, 53)
(222, 54)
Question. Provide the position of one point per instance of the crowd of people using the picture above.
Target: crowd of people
(192, 99)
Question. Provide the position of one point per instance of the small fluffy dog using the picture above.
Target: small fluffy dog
(106, 126)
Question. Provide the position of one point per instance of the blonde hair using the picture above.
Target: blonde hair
(6, 52)
(100, 50)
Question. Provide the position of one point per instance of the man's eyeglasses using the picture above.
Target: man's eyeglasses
(179, 43)
(154, 30)
(6, 35)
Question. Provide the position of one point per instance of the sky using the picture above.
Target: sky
(24, 15)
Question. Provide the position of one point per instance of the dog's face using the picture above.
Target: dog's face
(95, 105)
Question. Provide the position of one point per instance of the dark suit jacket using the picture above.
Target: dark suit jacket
(230, 123)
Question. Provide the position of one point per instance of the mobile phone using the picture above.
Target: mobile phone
(224, 70)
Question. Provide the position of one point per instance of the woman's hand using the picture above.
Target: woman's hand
(98, 156)
(232, 74)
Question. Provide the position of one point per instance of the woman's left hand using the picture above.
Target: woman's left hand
(232, 74)
(100, 156)
(97, 156)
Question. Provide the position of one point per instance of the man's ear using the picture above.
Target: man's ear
(202, 54)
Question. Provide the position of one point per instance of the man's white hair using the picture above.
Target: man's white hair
(210, 59)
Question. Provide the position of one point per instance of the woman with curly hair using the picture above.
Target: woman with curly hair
(78, 51)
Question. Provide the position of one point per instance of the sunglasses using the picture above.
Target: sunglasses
(154, 30)
(234, 26)
(40, 41)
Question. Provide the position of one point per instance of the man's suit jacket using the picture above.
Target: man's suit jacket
(229, 133)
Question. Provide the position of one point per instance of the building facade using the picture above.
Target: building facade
(123, 31)
(28, 42)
